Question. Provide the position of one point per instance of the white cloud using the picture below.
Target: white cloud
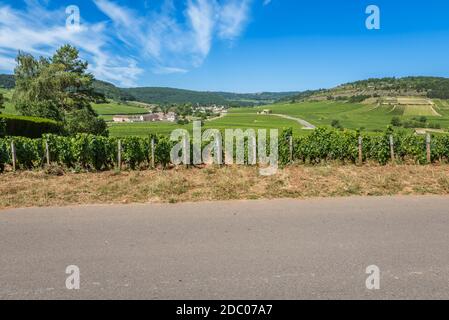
(178, 42)
(173, 38)
(39, 31)
(233, 17)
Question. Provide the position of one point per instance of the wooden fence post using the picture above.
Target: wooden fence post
(219, 151)
(13, 155)
(47, 153)
(152, 154)
(392, 149)
(428, 145)
(360, 150)
(255, 146)
(119, 155)
(186, 146)
(290, 143)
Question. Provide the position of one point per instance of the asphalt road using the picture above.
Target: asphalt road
(282, 249)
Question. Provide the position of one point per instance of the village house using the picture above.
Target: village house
(125, 118)
(151, 117)
(266, 112)
(171, 117)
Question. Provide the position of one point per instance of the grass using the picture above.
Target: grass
(143, 128)
(213, 183)
(352, 115)
(8, 106)
(232, 121)
(108, 110)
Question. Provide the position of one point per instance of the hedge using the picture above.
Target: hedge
(31, 127)
(100, 153)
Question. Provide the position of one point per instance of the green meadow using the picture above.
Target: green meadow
(231, 121)
(108, 110)
(370, 118)
(350, 115)
(8, 106)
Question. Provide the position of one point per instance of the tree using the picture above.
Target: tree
(58, 88)
(81, 121)
(2, 100)
(165, 108)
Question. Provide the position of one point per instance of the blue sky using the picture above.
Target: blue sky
(234, 45)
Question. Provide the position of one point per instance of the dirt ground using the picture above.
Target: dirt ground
(38, 188)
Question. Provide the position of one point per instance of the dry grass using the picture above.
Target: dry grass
(25, 189)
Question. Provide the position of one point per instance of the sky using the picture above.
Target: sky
(233, 45)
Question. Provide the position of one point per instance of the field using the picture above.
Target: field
(351, 115)
(231, 121)
(9, 107)
(370, 117)
(108, 110)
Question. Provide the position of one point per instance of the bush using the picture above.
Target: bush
(336, 124)
(85, 121)
(396, 122)
(30, 127)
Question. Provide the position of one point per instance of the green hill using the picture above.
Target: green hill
(159, 95)
(112, 92)
(7, 81)
(176, 96)
(429, 87)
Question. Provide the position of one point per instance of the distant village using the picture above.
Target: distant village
(172, 116)
(151, 117)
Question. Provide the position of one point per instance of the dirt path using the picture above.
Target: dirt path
(306, 125)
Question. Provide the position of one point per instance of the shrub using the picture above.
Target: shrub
(30, 127)
(336, 124)
(396, 122)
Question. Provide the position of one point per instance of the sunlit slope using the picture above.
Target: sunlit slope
(354, 116)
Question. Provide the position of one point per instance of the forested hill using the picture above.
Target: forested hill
(178, 96)
(7, 81)
(159, 95)
(430, 87)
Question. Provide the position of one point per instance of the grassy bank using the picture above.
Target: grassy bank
(26, 189)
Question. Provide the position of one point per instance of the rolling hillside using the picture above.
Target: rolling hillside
(429, 87)
(160, 95)
(371, 105)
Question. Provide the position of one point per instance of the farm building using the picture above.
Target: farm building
(125, 118)
(151, 117)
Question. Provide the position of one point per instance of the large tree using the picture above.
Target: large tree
(58, 88)
(2, 101)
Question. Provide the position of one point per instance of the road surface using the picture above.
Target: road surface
(306, 125)
(281, 249)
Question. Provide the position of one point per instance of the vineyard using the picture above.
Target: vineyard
(96, 153)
